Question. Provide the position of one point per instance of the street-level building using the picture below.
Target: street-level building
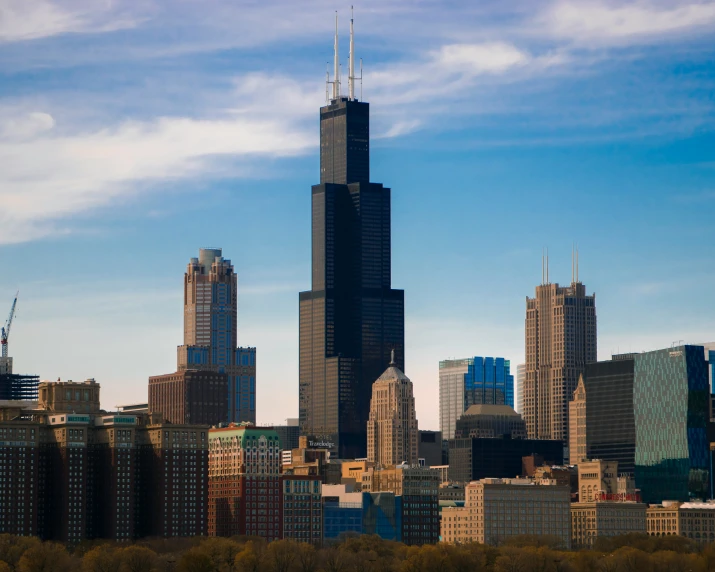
(496, 509)
(591, 520)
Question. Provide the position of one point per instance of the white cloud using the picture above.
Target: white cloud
(32, 19)
(45, 176)
(493, 57)
(602, 22)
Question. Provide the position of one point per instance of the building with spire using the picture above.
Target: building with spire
(215, 381)
(560, 341)
(352, 318)
(392, 434)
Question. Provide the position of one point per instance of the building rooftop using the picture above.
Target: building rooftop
(491, 410)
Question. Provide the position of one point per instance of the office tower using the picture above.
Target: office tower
(210, 334)
(472, 381)
(593, 520)
(392, 427)
(490, 442)
(649, 412)
(519, 388)
(80, 473)
(288, 434)
(577, 423)
(429, 448)
(610, 430)
(190, 396)
(351, 319)
(451, 394)
(494, 510)
(560, 341)
(244, 482)
(302, 509)
(416, 490)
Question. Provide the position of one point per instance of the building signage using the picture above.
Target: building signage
(321, 442)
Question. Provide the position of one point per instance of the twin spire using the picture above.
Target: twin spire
(545, 265)
(335, 83)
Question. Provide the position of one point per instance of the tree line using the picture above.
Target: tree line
(629, 553)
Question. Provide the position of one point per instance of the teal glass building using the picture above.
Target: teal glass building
(671, 410)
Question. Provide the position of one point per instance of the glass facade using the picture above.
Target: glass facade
(341, 518)
(472, 381)
(382, 515)
(351, 319)
(671, 409)
(488, 381)
(610, 422)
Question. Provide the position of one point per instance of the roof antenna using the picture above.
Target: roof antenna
(577, 264)
(327, 82)
(547, 265)
(351, 65)
(543, 268)
(573, 262)
(336, 71)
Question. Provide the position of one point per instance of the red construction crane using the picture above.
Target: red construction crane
(5, 330)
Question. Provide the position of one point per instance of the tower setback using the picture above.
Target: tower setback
(351, 319)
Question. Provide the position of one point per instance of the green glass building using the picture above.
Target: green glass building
(671, 410)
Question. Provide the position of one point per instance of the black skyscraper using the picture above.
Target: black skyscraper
(351, 319)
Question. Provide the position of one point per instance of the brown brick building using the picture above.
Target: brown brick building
(77, 476)
(190, 396)
(302, 508)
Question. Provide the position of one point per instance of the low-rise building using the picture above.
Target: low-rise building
(342, 511)
(591, 520)
(417, 492)
(496, 509)
(693, 520)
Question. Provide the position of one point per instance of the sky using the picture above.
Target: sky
(134, 133)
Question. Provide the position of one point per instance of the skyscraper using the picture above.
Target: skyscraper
(560, 341)
(210, 334)
(351, 319)
(649, 411)
(472, 381)
(392, 432)
(519, 388)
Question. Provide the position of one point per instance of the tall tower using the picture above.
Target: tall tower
(560, 341)
(210, 331)
(392, 432)
(351, 319)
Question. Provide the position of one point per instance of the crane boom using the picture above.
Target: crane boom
(5, 330)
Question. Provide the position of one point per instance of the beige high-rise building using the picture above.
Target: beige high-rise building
(210, 335)
(577, 424)
(392, 433)
(560, 341)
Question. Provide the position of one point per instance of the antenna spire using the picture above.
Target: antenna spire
(351, 67)
(336, 63)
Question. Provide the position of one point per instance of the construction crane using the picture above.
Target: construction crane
(5, 330)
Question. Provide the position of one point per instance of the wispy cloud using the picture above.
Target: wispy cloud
(46, 176)
(22, 20)
(618, 22)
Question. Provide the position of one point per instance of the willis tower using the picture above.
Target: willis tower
(351, 319)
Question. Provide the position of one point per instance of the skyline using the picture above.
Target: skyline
(113, 145)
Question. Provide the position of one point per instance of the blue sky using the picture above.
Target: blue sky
(133, 133)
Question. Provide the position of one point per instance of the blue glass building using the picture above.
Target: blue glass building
(488, 381)
(671, 393)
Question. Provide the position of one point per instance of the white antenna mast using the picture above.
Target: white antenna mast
(327, 82)
(336, 78)
(351, 66)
